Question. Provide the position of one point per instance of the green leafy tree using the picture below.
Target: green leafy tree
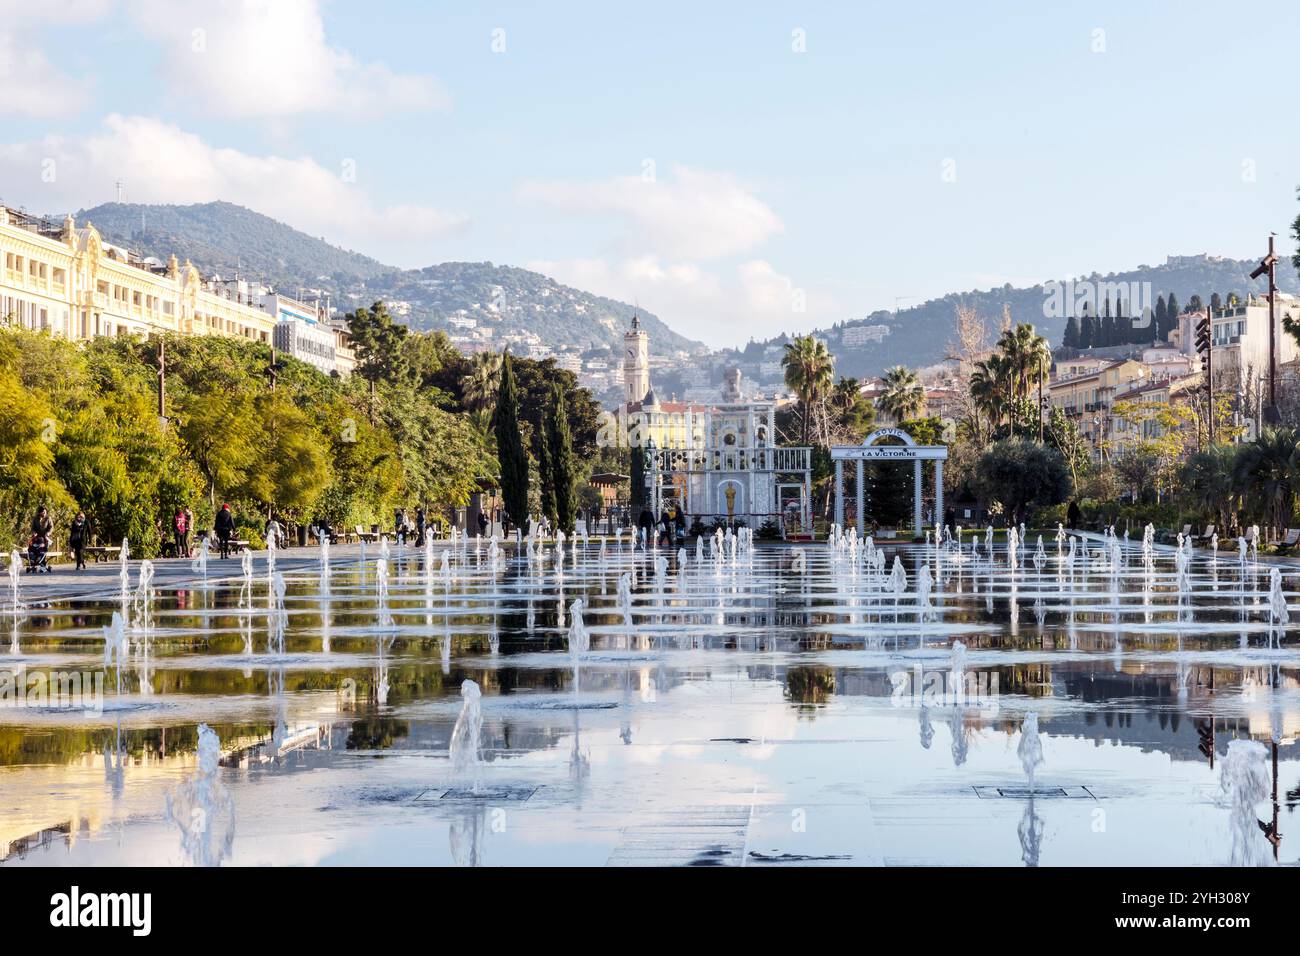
(1021, 474)
(378, 341)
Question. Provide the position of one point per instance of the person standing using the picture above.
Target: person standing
(679, 522)
(181, 529)
(419, 524)
(79, 538)
(1073, 514)
(225, 527)
(399, 525)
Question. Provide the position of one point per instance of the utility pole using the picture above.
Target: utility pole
(1269, 266)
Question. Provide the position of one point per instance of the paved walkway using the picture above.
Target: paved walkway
(103, 579)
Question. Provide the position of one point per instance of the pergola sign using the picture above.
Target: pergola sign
(908, 451)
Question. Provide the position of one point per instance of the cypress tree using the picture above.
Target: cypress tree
(1088, 332)
(560, 445)
(1070, 339)
(638, 477)
(1171, 316)
(1160, 319)
(545, 470)
(1216, 302)
(510, 447)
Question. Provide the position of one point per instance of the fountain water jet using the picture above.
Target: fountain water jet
(466, 747)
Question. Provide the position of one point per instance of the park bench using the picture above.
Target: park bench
(103, 552)
(1290, 540)
(364, 535)
(1209, 533)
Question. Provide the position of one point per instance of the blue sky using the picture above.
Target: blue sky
(685, 156)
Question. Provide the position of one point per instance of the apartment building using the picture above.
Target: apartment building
(1138, 427)
(1088, 394)
(66, 280)
(1241, 334)
(71, 283)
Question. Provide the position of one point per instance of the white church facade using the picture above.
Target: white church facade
(717, 461)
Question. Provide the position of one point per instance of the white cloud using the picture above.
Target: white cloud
(162, 163)
(722, 308)
(696, 215)
(33, 86)
(271, 58)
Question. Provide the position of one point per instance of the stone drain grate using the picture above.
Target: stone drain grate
(1038, 793)
(485, 795)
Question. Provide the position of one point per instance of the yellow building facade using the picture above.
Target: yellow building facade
(69, 282)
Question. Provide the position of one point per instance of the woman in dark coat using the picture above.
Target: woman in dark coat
(79, 538)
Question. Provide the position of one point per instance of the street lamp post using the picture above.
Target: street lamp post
(1269, 266)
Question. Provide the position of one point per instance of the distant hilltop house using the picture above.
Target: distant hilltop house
(67, 281)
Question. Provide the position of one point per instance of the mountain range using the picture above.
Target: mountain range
(920, 335)
(230, 241)
(227, 239)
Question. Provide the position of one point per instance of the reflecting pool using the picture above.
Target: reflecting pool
(760, 705)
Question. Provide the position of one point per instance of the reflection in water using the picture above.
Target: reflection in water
(1245, 783)
(468, 824)
(1030, 832)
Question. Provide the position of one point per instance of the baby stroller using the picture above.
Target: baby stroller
(37, 548)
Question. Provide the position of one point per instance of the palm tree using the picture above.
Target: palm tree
(809, 373)
(903, 395)
(479, 386)
(1028, 358)
(1265, 471)
(988, 390)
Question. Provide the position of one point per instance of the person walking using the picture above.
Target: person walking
(274, 533)
(419, 524)
(181, 529)
(679, 522)
(79, 538)
(225, 527)
(399, 525)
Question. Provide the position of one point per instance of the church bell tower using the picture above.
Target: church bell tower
(636, 362)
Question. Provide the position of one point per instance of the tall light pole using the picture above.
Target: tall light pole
(1269, 266)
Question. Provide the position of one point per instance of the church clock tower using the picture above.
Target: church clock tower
(636, 362)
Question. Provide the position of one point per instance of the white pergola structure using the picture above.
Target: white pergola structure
(909, 450)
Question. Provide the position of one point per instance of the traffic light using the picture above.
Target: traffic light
(1204, 336)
